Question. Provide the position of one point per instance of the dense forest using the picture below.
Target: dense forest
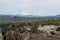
(15, 24)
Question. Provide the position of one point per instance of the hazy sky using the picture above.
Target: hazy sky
(30, 7)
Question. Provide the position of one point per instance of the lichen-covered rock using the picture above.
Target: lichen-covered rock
(12, 35)
(1, 38)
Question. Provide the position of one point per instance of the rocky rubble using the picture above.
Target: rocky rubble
(34, 33)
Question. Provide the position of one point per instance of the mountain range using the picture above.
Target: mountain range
(29, 16)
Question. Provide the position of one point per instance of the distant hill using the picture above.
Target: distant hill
(26, 18)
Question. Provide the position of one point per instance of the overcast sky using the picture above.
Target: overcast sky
(30, 7)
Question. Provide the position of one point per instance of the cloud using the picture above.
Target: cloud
(24, 13)
(34, 7)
